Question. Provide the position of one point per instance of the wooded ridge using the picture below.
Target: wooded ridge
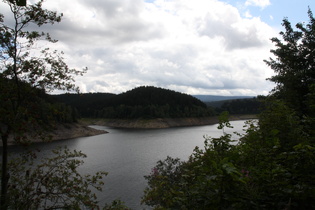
(150, 102)
(141, 102)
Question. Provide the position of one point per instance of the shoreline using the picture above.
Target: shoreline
(160, 123)
(60, 132)
(82, 129)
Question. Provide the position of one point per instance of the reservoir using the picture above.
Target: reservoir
(129, 154)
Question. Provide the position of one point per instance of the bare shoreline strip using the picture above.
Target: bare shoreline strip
(159, 123)
(61, 132)
(82, 129)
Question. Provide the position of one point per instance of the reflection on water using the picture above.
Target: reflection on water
(129, 154)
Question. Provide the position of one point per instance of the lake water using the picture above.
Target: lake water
(129, 154)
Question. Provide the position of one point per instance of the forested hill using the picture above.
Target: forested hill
(141, 102)
(148, 95)
(86, 104)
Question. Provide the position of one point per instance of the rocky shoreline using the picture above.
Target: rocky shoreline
(61, 132)
(162, 122)
(70, 131)
(82, 129)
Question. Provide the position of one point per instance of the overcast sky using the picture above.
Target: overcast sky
(212, 47)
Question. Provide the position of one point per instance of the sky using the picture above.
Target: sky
(210, 47)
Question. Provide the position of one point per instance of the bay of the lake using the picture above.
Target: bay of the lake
(129, 154)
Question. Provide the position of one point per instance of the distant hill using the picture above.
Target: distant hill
(85, 103)
(211, 98)
(146, 95)
(140, 102)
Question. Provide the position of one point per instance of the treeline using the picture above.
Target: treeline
(152, 102)
(87, 104)
(140, 102)
(239, 106)
(37, 106)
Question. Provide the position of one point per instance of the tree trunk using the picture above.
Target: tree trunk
(4, 172)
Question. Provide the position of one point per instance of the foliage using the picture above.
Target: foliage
(36, 110)
(257, 173)
(47, 69)
(281, 174)
(53, 183)
(141, 102)
(28, 68)
(240, 106)
(294, 64)
(87, 104)
(208, 180)
(116, 205)
(272, 166)
(27, 71)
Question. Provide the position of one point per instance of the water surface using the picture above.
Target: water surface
(129, 154)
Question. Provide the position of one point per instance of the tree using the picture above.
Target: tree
(210, 179)
(294, 64)
(54, 183)
(24, 70)
(272, 166)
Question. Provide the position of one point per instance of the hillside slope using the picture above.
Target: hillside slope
(141, 102)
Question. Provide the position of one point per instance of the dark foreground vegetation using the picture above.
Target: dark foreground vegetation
(26, 112)
(273, 164)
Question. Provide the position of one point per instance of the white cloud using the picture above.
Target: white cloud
(196, 47)
(259, 3)
(247, 14)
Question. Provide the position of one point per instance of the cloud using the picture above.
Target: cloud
(235, 31)
(196, 47)
(258, 3)
(104, 22)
